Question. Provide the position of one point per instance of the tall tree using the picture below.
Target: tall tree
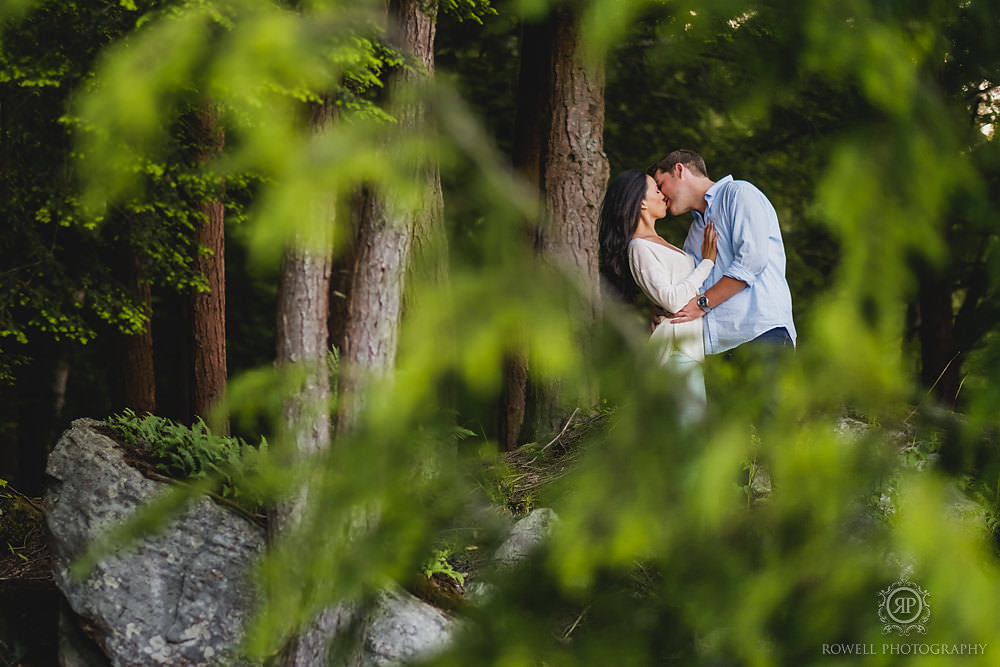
(136, 378)
(417, 25)
(388, 227)
(531, 124)
(381, 253)
(303, 309)
(574, 174)
(208, 306)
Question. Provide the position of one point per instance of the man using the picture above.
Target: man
(747, 299)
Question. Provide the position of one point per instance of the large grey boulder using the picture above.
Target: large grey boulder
(181, 596)
(178, 597)
(526, 535)
(403, 627)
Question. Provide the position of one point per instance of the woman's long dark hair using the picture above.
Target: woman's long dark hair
(618, 220)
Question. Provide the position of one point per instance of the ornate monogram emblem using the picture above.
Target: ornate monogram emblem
(903, 608)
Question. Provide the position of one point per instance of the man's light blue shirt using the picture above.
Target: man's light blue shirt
(749, 249)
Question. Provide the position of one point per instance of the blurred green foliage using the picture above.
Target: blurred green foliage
(864, 123)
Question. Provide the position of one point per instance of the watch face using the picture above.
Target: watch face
(703, 302)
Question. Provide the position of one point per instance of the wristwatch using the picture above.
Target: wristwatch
(703, 303)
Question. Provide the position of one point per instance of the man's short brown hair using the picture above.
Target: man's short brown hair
(689, 159)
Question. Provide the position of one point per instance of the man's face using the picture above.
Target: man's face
(670, 185)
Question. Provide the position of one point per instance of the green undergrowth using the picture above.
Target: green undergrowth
(441, 563)
(194, 453)
(517, 480)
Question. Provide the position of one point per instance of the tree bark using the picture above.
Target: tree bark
(208, 309)
(417, 22)
(136, 374)
(375, 305)
(303, 310)
(530, 131)
(575, 173)
(303, 303)
(373, 310)
(342, 274)
(575, 168)
(386, 234)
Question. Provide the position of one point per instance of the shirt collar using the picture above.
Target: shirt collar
(712, 191)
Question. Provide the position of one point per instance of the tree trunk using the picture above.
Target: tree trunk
(342, 275)
(303, 303)
(530, 131)
(208, 309)
(575, 173)
(385, 236)
(136, 374)
(939, 360)
(374, 308)
(429, 254)
(303, 309)
(375, 305)
(37, 397)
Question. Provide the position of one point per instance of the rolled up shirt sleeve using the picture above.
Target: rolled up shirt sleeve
(751, 241)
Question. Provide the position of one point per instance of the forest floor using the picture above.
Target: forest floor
(534, 466)
(25, 558)
(516, 483)
(29, 600)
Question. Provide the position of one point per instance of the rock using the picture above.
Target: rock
(480, 593)
(183, 595)
(525, 536)
(178, 597)
(403, 627)
(851, 429)
(76, 648)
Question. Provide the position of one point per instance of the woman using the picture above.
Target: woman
(634, 257)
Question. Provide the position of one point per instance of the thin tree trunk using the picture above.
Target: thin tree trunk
(208, 309)
(575, 175)
(136, 376)
(530, 131)
(939, 360)
(513, 401)
(303, 304)
(303, 311)
(375, 306)
(386, 234)
(342, 275)
(37, 396)
(429, 254)
(302, 341)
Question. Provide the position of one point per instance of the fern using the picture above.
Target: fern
(193, 453)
